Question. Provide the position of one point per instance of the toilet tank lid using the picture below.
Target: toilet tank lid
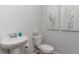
(39, 36)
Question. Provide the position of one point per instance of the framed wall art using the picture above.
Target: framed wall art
(70, 18)
(53, 17)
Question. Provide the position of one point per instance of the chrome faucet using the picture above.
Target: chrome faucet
(14, 35)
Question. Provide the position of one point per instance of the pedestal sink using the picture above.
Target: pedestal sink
(14, 44)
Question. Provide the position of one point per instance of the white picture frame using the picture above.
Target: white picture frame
(53, 17)
(70, 18)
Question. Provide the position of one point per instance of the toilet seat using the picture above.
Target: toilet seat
(45, 48)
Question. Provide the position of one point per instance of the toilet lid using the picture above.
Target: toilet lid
(46, 47)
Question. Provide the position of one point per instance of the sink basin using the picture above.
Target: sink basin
(9, 43)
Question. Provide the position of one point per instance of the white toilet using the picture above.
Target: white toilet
(43, 48)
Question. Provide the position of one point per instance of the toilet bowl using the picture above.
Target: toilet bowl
(37, 41)
(45, 48)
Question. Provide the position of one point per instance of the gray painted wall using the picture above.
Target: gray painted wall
(20, 18)
(25, 18)
(63, 42)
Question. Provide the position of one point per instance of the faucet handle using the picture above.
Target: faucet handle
(10, 35)
(14, 35)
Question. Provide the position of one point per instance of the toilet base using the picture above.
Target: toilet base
(18, 50)
(37, 51)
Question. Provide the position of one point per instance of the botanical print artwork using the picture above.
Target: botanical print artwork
(63, 17)
(68, 19)
(52, 17)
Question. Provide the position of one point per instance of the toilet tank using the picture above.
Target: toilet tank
(37, 40)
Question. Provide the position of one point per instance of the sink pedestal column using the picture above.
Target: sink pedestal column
(15, 50)
(4, 51)
(18, 50)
